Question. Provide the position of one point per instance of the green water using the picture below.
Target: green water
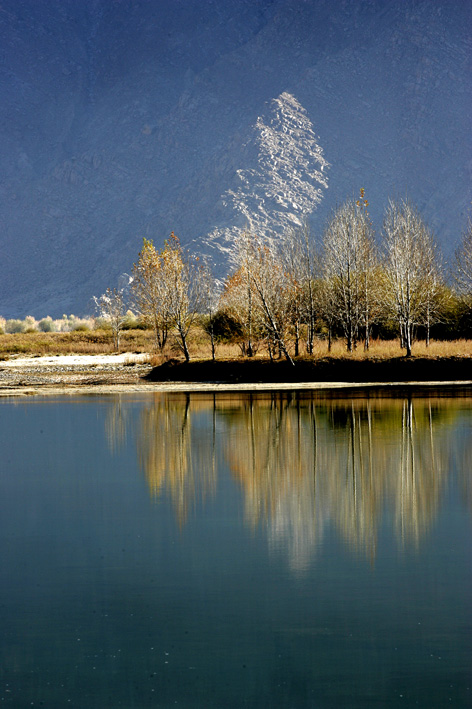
(236, 551)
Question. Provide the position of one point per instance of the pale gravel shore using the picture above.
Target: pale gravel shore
(73, 360)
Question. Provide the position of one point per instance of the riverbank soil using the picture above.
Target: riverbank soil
(395, 369)
(121, 373)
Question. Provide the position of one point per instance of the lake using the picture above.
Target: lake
(269, 550)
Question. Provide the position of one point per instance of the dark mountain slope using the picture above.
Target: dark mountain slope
(121, 119)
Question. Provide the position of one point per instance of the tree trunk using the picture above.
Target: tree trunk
(213, 348)
(408, 339)
(250, 351)
(367, 333)
(297, 339)
(183, 338)
(349, 340)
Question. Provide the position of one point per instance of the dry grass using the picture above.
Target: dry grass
(134, 341)
(89, 342)
(385, 349)
(379, 349)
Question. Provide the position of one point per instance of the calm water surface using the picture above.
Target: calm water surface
(236, 551)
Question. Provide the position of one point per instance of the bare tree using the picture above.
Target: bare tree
(271, 284)
(169, 288)
(298, 256)
(258, 294)
(210, 298)
(410, 267)
(328, 305)
(239, 297)
(435, 294)
(369, 266)
(347, 263)
(463, 262)
(150, 292)
(184, 276)
(112, 308)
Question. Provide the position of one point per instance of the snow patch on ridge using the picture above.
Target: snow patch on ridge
(284, 180)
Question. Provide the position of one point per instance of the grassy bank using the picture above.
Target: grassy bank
(78, 342)
(385, 361)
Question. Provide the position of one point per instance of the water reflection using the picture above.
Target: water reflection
(116, 425)
(175, 453)
(304, 464)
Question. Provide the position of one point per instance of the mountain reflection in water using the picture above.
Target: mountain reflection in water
(305, 464)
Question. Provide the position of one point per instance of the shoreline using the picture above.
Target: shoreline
(72, 390)
(93, 375)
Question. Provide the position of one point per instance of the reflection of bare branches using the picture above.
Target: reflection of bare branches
(174, 456)
(348, 459)
(418, 468)
(272, 453)
(304, 463)
(301, 464)
(116, 425)
(461, 460)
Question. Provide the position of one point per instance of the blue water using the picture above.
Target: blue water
(236, 551)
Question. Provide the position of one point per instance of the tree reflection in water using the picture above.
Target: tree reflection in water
(175, 455)
(305, 464)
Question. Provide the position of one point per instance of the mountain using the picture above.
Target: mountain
(128, 118)
(282, 183)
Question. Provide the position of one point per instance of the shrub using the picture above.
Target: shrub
(225, 327)
(101, 324)
(15, 326)
(81, 327)
(130, 321)
(47, 325)
(31, 324)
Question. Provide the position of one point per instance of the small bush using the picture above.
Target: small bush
(225, 327)
(31, 324)
(15, 327)
(101, 324)
(81, 327)
(47, 325)
(134, 323)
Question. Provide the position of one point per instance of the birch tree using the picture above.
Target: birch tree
(272, 288)
(210, 297)
(238, 296)
(184, 279)
(347, 263)
(150, 292)
(298, 255)
(257, 294)
(168, 286)
(464, 262)
(410, 267)
(435, 294)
